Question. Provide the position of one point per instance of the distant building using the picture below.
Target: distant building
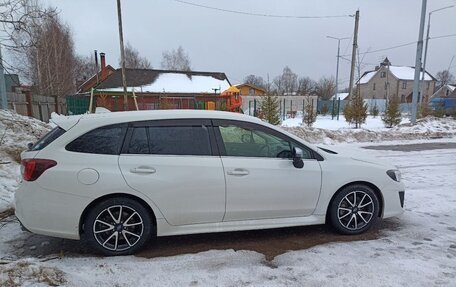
(445, 91)
(11, 82)
(339, 96)
(150, 89)
(250, 90)
(393, 81)
(85, 85)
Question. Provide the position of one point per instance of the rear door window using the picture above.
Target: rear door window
(104, 140)
(186, 140)
(173, 137)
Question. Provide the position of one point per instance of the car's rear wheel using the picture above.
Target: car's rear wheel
(118, 226)
(354, 209)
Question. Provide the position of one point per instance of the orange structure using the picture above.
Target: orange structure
(233, 99)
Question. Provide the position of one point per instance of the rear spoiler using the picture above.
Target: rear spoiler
(65, 122)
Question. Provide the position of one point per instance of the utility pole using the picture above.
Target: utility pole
(426, 48)
(353, 60)
(122, 56)
(337, 67)
(419, 54)
(3, 98)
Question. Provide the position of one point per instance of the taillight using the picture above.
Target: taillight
(33, 168)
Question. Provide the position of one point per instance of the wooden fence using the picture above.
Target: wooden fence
(39, 107)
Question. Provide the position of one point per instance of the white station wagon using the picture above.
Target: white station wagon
(118, 179)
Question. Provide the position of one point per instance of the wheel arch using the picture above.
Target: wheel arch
(113, 195)
(376, 190)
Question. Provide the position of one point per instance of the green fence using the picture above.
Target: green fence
(77, 104)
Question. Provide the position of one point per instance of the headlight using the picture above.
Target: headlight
(394, 174)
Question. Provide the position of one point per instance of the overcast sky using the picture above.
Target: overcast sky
(240, 45)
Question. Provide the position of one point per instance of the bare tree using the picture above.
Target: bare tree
(17, 21)
(255, 81)
(133, 60)
(305, 86)
(85, 67)
(325, 88)
(51, 59)
(287, 83)
(445, 77)
(177, 60)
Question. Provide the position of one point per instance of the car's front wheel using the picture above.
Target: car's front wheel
(354, 209)
(118, 226)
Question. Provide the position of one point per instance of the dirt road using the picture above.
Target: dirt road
(268, 242)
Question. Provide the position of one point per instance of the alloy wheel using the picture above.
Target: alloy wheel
(118, 228)
(355, 210)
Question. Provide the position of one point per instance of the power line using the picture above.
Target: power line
(443, 36)
(259, 14)
(404, 45)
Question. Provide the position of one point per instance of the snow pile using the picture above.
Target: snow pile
(16, 132)
(326, 122)
(427, 128)
(28, 273)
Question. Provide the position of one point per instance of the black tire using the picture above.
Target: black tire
(106, 234)
(354, 209)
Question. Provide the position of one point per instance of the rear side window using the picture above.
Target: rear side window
(104, 140)
(139, 144)
(179, 140)
(170, 140)
(51, 136)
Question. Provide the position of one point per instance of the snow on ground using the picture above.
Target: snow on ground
(16, 132)
(417, 249)
(326, 130)
(326, 122)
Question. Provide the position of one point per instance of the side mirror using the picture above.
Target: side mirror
(297, 158)
(29, 146)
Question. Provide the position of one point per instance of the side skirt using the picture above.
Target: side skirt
(164, 229)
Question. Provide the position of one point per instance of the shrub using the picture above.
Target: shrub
(392, 115)
(355, 111)
(309, 114)
(324, 110)
(269, 107)
(424, 110)
(374, 111)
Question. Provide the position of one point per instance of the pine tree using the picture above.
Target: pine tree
(355, 111)
(374, 110)
(269, 107)
(310, 115)
(392, 115)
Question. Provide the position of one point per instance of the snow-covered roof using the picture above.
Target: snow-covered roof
(451, 87)
(168, 81)
(340, 96)
(400, 72)
(407, 73)
(179, 83)
(366, 77)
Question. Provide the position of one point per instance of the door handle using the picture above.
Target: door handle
(143, 170)
(238, 172)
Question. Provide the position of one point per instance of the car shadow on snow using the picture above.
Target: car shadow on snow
(270, 242)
